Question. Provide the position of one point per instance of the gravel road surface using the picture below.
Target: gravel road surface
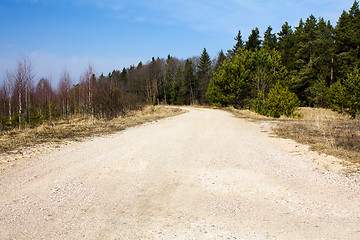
(201, 175)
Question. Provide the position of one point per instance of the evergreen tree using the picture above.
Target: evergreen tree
(123, 76)
(267, 70)
(189, 86)
(313, 72)
(140, 65)
(336, 97)
(169, 78)
(254, 41)
(324, 53)
(237, 47)
(347, 36)
(306, 35)
(352, 92)
(177, 93)
(270, 39)
(280, 102)
(220, 60)
(348, 29)
(285, 46)
(204, 71)
(232, 83)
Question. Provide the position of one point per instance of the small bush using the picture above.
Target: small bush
(346, 96)
(280, 102)
(352, 86)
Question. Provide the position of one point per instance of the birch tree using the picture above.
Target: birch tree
(64, 89)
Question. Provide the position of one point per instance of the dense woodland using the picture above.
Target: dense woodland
(313, 64)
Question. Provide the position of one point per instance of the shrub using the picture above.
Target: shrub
(280, 102)
(346, 96)
(352, 86)
(336, 97)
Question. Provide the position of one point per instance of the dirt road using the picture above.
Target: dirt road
(200, 175)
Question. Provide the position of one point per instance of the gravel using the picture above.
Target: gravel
(201, 175)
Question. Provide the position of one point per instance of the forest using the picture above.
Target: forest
(313, 64)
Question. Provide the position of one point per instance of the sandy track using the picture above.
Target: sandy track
(200, 175)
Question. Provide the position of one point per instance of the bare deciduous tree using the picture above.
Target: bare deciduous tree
(9, 84)
(23, 80)
(64, 90)
(44, 93)
(87, 80)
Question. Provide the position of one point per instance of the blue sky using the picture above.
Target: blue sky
(112, 34)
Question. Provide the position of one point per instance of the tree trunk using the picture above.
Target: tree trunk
(26, 103)
(10, 116)
(332, 71)
(20, 108)
(29, 104)
(90, 99)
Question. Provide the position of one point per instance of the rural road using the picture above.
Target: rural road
(201, 175)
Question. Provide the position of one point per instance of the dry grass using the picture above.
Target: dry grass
(80, 128)
(323, 130)
(326, 132)
(247, 114)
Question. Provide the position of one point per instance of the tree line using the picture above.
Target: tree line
(313, 64)
(24, 103)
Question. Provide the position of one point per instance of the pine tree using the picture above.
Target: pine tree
(232, 83)
(286, 46)
(169, 77)
(280, 102)
(306, 76)
(336, 96)
(220, 60)
(123, 76)
(354, 15)
(189, 86)
(237, 47)
(270, 40)
(203, 74)
(347, 36)
(254, 41)
(352, 90)
(177, 94)
(267, 70)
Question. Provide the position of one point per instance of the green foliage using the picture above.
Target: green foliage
(254, 41)
(270, 39)
(347, 36)
(314, 63)
(268, 69)
(232, 85)
(4, 123)
(220, 60)
(352, 90)
(237, 47)
(258, 104)
(280, 102)
(286, 46)
(189, 85)
(203, 75)
(248, 80)
(346, 96)
(314, 52)
(317, 93)
(336, 97)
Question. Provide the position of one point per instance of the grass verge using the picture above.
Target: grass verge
(80, 128)
(323, 130)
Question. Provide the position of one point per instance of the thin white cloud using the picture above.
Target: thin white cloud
(221, 16)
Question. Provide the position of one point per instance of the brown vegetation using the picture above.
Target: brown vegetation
(326, 132)
(323, 130)
(78, 128)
